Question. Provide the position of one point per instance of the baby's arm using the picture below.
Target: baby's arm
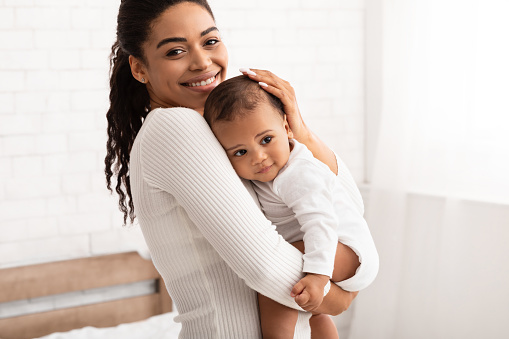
(345, 266)
(312, 202)
(305, 187)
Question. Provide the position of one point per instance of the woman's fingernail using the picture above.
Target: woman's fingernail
(263, 84)
(247, 70)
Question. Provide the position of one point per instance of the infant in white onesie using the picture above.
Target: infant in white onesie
(299, 194)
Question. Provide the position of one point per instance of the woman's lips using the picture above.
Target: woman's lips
(204, 84)
(206, 88)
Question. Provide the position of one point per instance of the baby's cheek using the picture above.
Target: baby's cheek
(242, 171)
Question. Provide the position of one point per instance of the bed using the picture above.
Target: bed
(143, 316)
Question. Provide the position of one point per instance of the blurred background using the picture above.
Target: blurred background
(412, 94)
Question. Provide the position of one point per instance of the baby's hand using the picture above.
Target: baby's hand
(308, 292)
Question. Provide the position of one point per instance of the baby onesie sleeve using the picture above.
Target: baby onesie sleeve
(307, 190)
(328, 214)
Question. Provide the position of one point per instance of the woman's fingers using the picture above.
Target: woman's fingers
(284, 91)
(275, 86)
(269, 78)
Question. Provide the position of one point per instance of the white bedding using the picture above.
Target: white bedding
(160, 326)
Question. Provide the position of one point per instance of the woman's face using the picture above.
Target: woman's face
(185, 57)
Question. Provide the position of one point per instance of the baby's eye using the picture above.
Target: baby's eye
(266, 140)
(239, 153)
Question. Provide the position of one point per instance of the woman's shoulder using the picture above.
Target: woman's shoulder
(165, 122)
(171, 114)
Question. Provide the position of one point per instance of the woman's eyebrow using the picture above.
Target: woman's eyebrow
(178, 39)
(208, 30)
(168, 40)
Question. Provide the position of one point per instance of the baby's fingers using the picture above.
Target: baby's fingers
(302, 299)
(297, 289)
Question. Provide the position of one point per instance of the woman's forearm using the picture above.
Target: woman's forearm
(319, 149)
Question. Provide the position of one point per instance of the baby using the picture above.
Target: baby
(300, 195)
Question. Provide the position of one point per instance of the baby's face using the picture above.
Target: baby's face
(257, 144)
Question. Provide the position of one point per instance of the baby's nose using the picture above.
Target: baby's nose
(259, 156)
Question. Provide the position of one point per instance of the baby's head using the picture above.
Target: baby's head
(251, 125)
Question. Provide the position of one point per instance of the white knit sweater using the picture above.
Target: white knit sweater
(207, 237)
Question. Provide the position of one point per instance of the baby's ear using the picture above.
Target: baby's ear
(287, 128)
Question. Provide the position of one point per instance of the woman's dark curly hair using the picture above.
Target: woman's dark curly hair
(129, 99)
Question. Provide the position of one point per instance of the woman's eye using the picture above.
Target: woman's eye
(240, 153)
(266, 140)
(212, 42)
(174, 52)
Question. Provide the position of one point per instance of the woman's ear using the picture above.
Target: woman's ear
(138, 70)
(287, 128)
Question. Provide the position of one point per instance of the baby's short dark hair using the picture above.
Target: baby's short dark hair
(235, 98)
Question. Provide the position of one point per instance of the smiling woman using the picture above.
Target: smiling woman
(174, 54)
(207, 236)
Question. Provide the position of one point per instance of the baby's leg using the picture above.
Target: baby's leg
(322, 327)
(277, 321)
(346, 263)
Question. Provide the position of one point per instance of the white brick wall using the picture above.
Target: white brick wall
(54, 95)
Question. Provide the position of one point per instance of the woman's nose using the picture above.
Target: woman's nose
(200, 60)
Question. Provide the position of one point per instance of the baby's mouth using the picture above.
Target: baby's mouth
(265, 169)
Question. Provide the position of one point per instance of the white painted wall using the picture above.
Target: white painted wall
(54, 94)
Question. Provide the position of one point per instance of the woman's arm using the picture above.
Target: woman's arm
(285, 92)
(180, 155)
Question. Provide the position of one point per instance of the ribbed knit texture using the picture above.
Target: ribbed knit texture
(207, 237)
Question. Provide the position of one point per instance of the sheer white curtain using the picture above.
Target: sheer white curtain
(439, 201)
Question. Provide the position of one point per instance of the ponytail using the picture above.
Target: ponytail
(129, 99)
(129, 104)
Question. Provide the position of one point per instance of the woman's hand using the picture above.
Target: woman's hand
(285, 92)
(336, 301)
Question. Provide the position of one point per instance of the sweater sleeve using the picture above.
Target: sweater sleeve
(181, 156)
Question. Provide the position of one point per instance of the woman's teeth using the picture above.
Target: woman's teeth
(203, 83)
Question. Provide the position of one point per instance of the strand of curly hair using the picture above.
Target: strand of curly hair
(125, 118)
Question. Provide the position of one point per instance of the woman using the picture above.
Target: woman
(207, 237)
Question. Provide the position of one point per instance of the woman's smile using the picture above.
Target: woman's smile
(186, 58)
(203, 83)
